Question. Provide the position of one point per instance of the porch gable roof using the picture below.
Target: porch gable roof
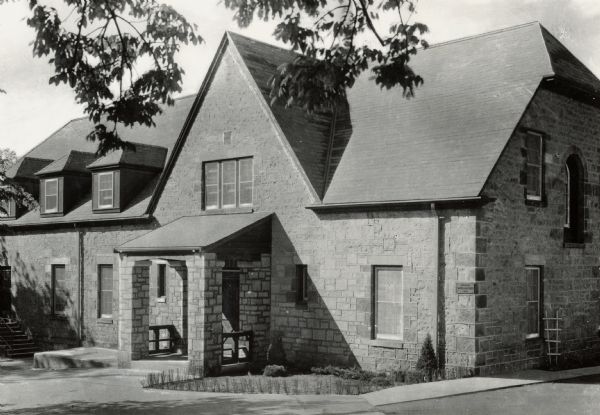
(195, 232)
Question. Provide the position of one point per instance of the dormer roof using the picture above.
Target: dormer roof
(27, 167)
(144, 156)
(72, 162)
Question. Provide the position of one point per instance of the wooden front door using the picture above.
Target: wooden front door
(5, 295)
(231, 302)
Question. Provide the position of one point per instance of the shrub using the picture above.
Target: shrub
(354, 373)
(427, 363)
(275, 352)
(275, 371)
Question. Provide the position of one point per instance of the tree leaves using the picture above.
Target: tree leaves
(99, 55)
(331, 39)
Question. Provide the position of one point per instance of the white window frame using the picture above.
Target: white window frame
(46, 194)
(375, 280)
(540, 166)
(239, 181)
(538, 270)
(112, 190)
(222, 183)
(101, 289)
(220, 164)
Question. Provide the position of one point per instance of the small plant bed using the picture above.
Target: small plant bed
(329, 380)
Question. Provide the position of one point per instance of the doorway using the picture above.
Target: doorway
(5, 294)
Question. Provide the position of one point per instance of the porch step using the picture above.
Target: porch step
(13, 340)
(80, 357)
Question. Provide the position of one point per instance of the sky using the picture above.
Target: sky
(32, 109)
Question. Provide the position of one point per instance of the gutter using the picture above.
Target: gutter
(415, 203)
(163, 249)
(92, 221)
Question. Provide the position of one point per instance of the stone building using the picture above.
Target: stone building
(469, 212)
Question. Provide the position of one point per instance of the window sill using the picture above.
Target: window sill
(52, 215)
(107, 210)
(574, 245)
(389, 343)
(161, 299)
(302, 306)
(532, 337)
(230, 211)
(105, 320)
(61, 317)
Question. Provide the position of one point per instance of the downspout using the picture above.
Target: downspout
(80, 268)
(436, 270)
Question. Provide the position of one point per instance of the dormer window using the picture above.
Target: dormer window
(51, 196)
(105, 190)
(106, 195)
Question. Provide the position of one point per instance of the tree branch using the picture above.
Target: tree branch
(370, 22)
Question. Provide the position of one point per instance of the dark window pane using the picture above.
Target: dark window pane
(59, 289)
(534, 148)
(533, 181)
(162, 277)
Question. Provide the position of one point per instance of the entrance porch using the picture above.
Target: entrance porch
(198, 287)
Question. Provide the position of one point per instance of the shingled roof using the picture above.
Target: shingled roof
(152, 157)
(307, 134)
(72, 162)
(57, 153)
(444, 143)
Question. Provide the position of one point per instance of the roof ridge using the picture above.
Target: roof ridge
(485, 34)
(79, 119)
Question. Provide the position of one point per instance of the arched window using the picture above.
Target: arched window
(574, 202)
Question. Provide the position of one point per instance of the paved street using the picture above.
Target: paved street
(576, 396)
(118, 391)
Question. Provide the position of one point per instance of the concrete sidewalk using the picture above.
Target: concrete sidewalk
(446, 388)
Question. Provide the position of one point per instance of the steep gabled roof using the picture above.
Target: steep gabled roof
(72, 135)
(73, 162)
(444, 143)
(307, 134)
(144, 155)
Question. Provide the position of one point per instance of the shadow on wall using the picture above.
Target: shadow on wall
(32, 303)
(310, 333)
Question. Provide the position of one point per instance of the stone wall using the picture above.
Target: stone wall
(172, 308)
(31, 254)
(512, 234)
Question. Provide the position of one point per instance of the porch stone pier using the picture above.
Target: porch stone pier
(134, 320)
(204, 312)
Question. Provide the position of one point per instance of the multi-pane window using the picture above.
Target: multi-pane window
(105, 190)
(574, 201)
(535, 170)
(533, 291)
(162, 280)
(228, 183)
(301, 284)
(105, 290)
(50, 195)
(387, 300)
(59, 291)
